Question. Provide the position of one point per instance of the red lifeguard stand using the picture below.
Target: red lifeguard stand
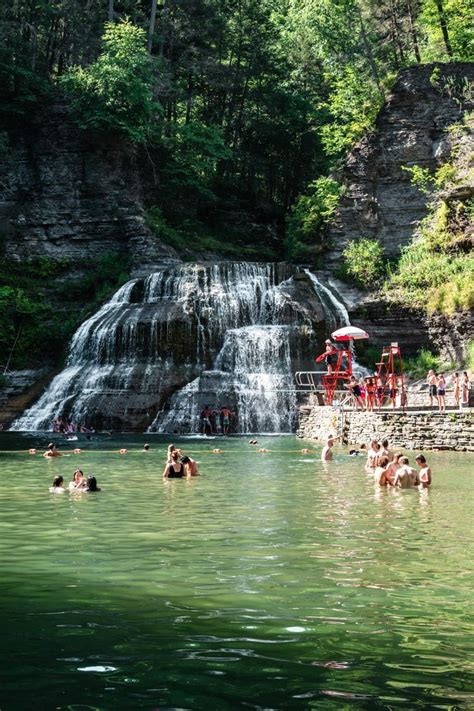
(342, 335)
(390, 373)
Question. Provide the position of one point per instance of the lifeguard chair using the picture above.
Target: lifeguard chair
(343, 367)
(390, 374)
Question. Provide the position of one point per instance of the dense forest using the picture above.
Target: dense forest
(248, 105)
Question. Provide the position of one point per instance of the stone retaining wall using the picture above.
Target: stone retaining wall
(410, 430)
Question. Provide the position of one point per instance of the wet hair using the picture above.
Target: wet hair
(421, 458)
(92, 484)
(384, 461)
(58, 480)
(174, 455)
(78, 471)
(403, 460)
(51, 445)
(185, 460)
(146, 446)
(385, 443)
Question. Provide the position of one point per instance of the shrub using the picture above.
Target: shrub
(363, 261)
(470, 354)
(418, 366)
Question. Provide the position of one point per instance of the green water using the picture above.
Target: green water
(271, 582)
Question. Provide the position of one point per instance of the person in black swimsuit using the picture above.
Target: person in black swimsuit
(174, 469)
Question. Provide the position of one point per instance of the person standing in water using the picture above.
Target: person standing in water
(52, 451)
(326, 454)
(425, 474)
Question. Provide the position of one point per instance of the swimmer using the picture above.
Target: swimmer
(305, 451)
(78, 482)
(393, 467)
(91, 484)
(253, 441)
(171, 449)
(406, 476)
(373, 454)
(190, 466)
(52, 451)
(326, 454)
(380, 473)
(384, 450)
(174, 469)
(146, 447)
(425, 474)
(57, 486)
(217, 451)
(263, 450)
(354, 453)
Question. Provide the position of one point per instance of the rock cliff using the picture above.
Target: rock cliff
(68, 193)
(380, 202)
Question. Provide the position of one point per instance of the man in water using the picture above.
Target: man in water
(52, 451)
(326, 454)
(406, 476)
(425, 474)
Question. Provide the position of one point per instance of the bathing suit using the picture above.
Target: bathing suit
(441, 391)
(433, 390)
(329, 360)
(173, 474)
(356, 390)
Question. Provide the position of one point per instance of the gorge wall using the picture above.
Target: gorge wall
(71, 194)
(380, 201)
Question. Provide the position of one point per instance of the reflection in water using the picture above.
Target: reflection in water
(282, 579)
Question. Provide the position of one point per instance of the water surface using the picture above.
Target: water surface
(271, 582)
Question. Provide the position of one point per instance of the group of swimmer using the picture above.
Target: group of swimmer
(387, 468)
(79, 483)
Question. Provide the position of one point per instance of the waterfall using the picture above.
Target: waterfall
(336, 312)
(164, 346)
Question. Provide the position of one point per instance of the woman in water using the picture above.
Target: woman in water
(174, 469)
(91, 484)
(78, 482)
(57, 486)
(425, 474)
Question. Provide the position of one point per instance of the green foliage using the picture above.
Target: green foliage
(418, 366)
(363, 261)
(459, 26)
(426, 182)
(310, 214)
(353, 105)
(39, 310)
(192, 237)
(116, 91)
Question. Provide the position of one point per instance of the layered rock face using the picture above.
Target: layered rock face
(68, 193)
(380, 202)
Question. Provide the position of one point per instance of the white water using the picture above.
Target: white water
(186, 336)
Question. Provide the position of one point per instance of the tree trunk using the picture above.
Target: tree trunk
(444, 28)
(413, 33)
(111, 11)
(151, 29)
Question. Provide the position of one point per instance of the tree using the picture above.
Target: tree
(116, 91)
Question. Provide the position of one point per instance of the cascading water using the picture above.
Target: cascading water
(221, 334)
